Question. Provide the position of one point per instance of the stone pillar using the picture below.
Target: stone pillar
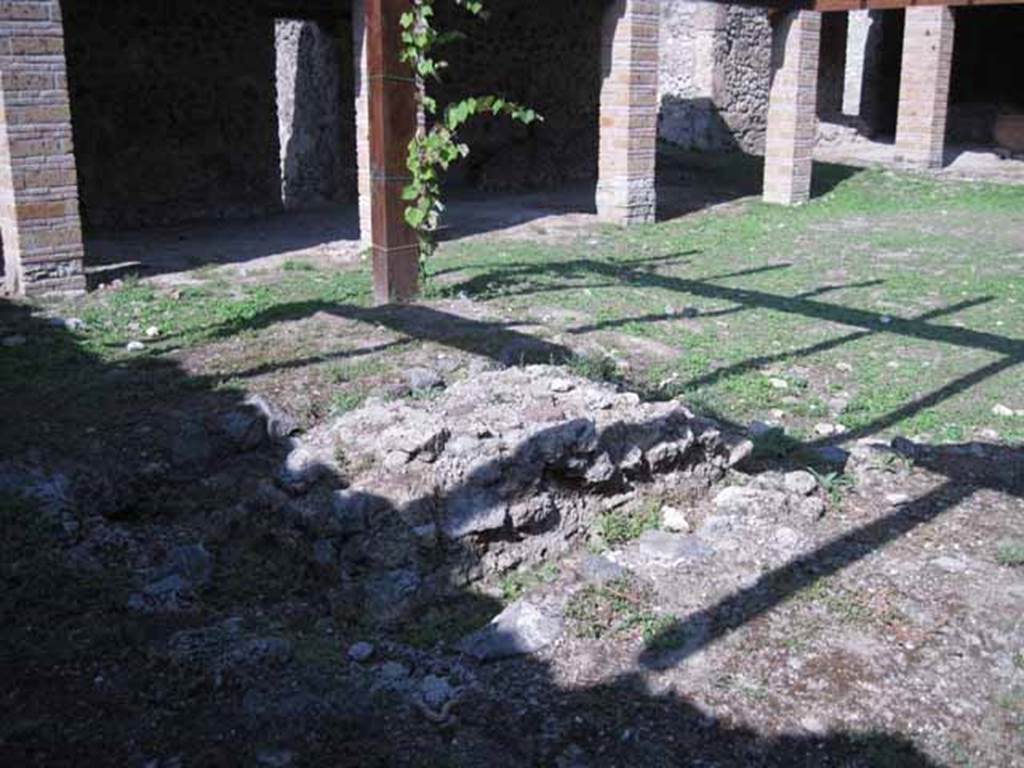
(393, 119)
(629, 112)
(792, 119)
(362, 97)
(863, 49)
(924, 86)
(39, 220)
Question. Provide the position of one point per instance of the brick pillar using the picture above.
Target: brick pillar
(42, 234)
(924, 86)
(629, 112)
(362, 96)
(792, 120)
(393, 120)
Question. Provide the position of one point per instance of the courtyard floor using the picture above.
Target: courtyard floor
(885, 632)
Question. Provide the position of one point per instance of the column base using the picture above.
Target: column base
(626, 202)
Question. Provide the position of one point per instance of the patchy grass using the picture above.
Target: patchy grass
(774, 445)
(445, 624)
(346, 400)
(889, 304)
(619, 607)
(517, 583)
(1010, 553)
(834, 484)
(846, 605)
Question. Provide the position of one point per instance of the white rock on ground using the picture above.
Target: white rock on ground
(520, 629)
(674, 519)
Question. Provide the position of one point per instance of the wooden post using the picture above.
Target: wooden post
(392, 124)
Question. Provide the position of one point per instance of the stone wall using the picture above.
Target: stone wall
(173, 107)
(544, 53)
(315, 112)
(714, 79)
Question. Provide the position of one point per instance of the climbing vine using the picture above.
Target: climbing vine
(435, 148)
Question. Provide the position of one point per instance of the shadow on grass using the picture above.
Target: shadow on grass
(690, 181)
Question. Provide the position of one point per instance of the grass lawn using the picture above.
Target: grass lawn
(890, 304)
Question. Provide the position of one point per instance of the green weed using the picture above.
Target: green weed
(615, 527)
(1010, 553)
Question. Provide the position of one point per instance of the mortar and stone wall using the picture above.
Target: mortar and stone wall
(315, 112)
(714, 78)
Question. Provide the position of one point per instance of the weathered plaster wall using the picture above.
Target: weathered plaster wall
(173, 109)
(545, 53)
(315, 111)
(714, 78)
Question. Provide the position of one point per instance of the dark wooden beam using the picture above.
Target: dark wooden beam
(881, 5)
(826, 6)
(393, 123)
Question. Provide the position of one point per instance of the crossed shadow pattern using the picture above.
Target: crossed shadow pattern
(509, 343)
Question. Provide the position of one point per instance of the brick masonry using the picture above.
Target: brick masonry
(792, 120)
(924, 86)
(39, 219)
(629, 112)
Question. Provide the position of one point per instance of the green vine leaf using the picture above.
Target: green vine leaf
(433, 150)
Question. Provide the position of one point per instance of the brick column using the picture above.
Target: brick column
(924, 86)
(792, 119)
(42, 234)
(393, 119)
(362, 97)
(629, 112)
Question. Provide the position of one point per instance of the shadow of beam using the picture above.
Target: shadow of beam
(783, 583)
(794, 305)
